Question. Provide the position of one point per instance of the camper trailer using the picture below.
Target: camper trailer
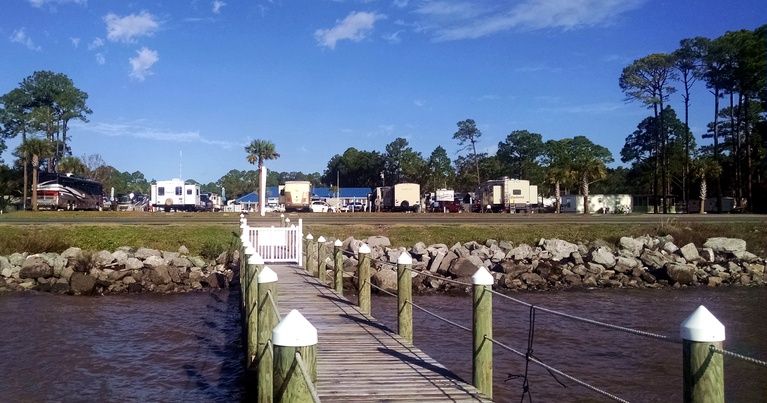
(296, 195)
(400, 197)
(176, 195)
(506, 195)
(598, 204)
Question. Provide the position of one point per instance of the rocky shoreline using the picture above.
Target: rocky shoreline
(124, 270)
(552, 264)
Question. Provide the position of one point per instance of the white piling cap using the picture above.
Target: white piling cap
(309, 237)
(338, 243)
(287, 220)
(482, 277)
(701, 326)
(249, 250)
(294, 331)
(404, 258)
(364, 248)
(321, 239)
(267, 275)
(242, 215)
(282, 215)
(255, 258)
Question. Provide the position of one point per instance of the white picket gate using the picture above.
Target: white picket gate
(278, 244)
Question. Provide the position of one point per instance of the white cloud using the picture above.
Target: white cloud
(462, 19)
(20, 36)
(418, 102)
(97, 43)
(141, 64)
(41, 3)
(100, 59)
(393, 37)
(354, 27)
(217, 6)
(140, 130)
(75, 41)
(400, 3)
(126, 29)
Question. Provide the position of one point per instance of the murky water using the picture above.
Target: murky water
(187, 347)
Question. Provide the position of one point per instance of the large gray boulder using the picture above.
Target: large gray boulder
(36, 266)
(631, 245)
(725, 245)
(72, 254)
(681, 273)
(378, 240)
(558, 248)
(653, 259)
(154, 262)
(603, 256)
(143, 253)
(82, 284)
(102, 258)
(466, 266)
(160, 275)
(385, 279)
(689, 252)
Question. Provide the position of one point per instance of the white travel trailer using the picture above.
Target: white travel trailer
(296, 195)
(598, 203)
(176, 195)
(400, 197)
(509, 195)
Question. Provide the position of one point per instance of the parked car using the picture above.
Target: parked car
(454, 208)
(274, 208)
(319, 206)
(355, 206)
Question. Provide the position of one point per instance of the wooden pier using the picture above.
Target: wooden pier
(358, 358)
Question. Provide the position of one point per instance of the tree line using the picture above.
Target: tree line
(665, 161)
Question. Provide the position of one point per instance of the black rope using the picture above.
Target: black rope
(528, 355)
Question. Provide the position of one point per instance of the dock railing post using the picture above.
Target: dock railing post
(308, 252)
(294, 334)
(286, 223)
(703, 370)
(267, 320)
(405, 297)
(338, 267)
(321, 256)
(482, 331)
(363, 278)
(255, 264)
(282, 220)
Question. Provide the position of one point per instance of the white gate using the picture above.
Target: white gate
(278, 244)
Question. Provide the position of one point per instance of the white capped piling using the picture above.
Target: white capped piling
(267, 320)
(363, 278)
(294, 334)
(703, 369)
(308, 252)
(282, 220)
(321, 264)
(250, 295)
(405, 297)
(338, 269)
(482, 331)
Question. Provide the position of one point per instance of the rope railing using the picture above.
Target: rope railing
(305, 374)
(274, 305)
(738, 356)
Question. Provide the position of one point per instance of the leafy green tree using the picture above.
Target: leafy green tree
(356, 168)
(441, 173)
(73, 165)
(520, 152)
(402, 164)
(38, 149)
(589, 162)
(648, 80)
(559, 167)
(259, 151)
(468, 136)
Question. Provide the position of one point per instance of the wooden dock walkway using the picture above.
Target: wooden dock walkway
(358, 358)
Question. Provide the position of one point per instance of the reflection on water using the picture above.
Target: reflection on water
(186, 347)
(138, 347)
(632, 367)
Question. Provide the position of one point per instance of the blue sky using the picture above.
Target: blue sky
(181, 86)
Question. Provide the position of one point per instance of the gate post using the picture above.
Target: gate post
(405, 297)
(703, 372)
(338, 269)
(482, 330)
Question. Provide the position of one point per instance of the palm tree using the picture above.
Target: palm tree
(258, 151)
(703, 168)
(559, 167)
(38, 149)
(589, 162)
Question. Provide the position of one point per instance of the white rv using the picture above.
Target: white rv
(400, 197)
(176, 195)
(296, 195)
(598, 203)
(509, 195)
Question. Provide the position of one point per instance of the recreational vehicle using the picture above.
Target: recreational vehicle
(400, 197)
(509, 195)
(598, 203)
(176, 195)
(57, 191)
(296, 195)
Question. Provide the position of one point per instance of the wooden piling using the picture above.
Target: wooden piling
(482, 330)
(308, 252)
(703, 369)
(267, 320)
(321, 264)
(282, 220)
(294, 334)
(255, 264)
(405, 297)
(363, 285)
(338, 269)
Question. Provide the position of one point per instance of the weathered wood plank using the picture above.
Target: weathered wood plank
(358, 358)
